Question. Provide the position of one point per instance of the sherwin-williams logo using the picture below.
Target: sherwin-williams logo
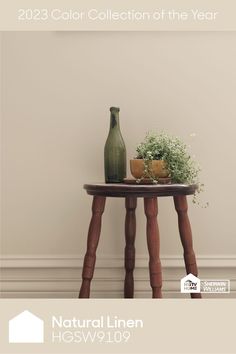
(190, 284)
(26, 328)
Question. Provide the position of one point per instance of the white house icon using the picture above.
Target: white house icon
(190, 284)
(26, 328)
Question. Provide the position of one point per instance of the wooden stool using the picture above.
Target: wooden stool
(150, 194)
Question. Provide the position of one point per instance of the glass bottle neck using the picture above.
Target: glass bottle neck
(114, 121)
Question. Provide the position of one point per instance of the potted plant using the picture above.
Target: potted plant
(161, 156)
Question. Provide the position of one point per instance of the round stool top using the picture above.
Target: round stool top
(139, 190)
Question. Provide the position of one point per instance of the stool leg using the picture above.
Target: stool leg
(153, 242)
(92, 243)
(130, 230)
(181, 207)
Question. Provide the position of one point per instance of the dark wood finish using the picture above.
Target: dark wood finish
(153, 241)
(92, 243)
(150, 193)
(130, 230)
(135, 190)
(181, 207)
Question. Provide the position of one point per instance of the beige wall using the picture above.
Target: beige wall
(57, 90)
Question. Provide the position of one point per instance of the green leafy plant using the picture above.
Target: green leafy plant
(181, 167)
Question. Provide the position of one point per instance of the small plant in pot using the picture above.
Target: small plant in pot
(162, 156)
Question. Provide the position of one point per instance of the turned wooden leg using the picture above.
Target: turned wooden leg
(92, 243)
(130, 230)
(181, 207)
(153, 242)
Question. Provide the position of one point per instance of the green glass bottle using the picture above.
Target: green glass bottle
(115, 151)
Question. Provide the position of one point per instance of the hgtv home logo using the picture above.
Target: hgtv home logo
(190, 284)
(26, 328)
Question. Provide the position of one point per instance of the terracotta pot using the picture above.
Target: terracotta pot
(157, 168)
